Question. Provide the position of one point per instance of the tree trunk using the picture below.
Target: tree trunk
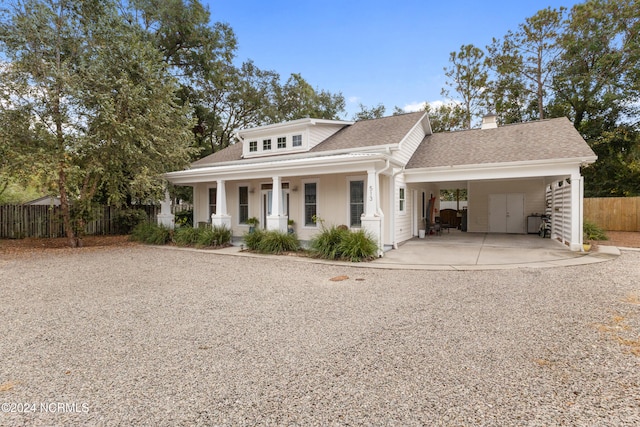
(65, 208)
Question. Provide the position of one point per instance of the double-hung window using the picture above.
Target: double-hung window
(356, 202)
(402, 199)
(266, 144)
(296, 140)
(243, 204)
(282, 142)
(310, 203)
(253, 146)
(213, 194)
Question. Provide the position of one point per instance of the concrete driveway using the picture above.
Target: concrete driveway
(456, 250)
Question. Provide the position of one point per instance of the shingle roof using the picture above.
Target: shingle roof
(540, 140)
(370, 133)
(229, 154)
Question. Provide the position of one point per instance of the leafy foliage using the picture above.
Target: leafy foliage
(151, 233)
(271, 242)
(127, 219)
(185, 236)
(278, 242)
(326, 244)
(252, 240)
(344, 244)
(593, 232)
(215, 236)
(357, 246)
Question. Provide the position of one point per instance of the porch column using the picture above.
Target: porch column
(275, 221)
(371, 221)
(577, 194)
(165, 217)
(220, 218)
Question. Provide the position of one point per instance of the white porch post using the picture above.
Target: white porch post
(276, 221)
(577, 194)
(220, 218)
(165, 217)
(371, 222)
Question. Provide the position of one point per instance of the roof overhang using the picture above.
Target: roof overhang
(304, 166)
(512, 170)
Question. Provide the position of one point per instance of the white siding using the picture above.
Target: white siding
(478, 204)
(319, 133)
(403, 221)
(409, 145)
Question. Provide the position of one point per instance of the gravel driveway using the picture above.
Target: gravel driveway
(155, 337)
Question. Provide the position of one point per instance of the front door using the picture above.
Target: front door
(267, 198)
(506, 213)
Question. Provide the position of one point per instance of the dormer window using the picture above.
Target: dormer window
(282, 142)
(253, 146)
(297, 140)
(266, 144)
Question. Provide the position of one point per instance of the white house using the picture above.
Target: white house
(381, 174)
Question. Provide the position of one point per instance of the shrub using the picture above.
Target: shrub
(593, 232)
(357, 246)
(127, 219)
(252, 240)
(184, 218)
(326, 243)
(185, 236)
(277, 242)
(150, 233)
(215, 236)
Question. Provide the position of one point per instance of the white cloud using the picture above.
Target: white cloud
(414, 106)
(353, 99)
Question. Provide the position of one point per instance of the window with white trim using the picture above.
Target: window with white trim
(213, 194)
(266, 144)
(402, 199)
(253, 146)
(243, 204)
(296, 140)
(356, 202)
(310, 203)
(282, 142)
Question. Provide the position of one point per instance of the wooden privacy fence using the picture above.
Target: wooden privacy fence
(613, 213)
(19, 221)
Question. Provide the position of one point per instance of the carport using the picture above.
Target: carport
(510, 174)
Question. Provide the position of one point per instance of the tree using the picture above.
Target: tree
(369, 113)
(91, 104)
(524, 62)
(446, 117)
(468, 77)
(297, 99)
(596, 86)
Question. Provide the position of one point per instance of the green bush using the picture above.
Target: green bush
(215, 236)
(357, 246)
(593, 232)
(326, 243)
(150, 233)
(127, 219)
(277, 242)
(252, 240)
(184, 218)
(342, 243)
(186, 236)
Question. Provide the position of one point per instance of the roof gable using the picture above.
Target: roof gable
(371, 133)
(533, 141)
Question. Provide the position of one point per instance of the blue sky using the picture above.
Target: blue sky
(373, 52)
